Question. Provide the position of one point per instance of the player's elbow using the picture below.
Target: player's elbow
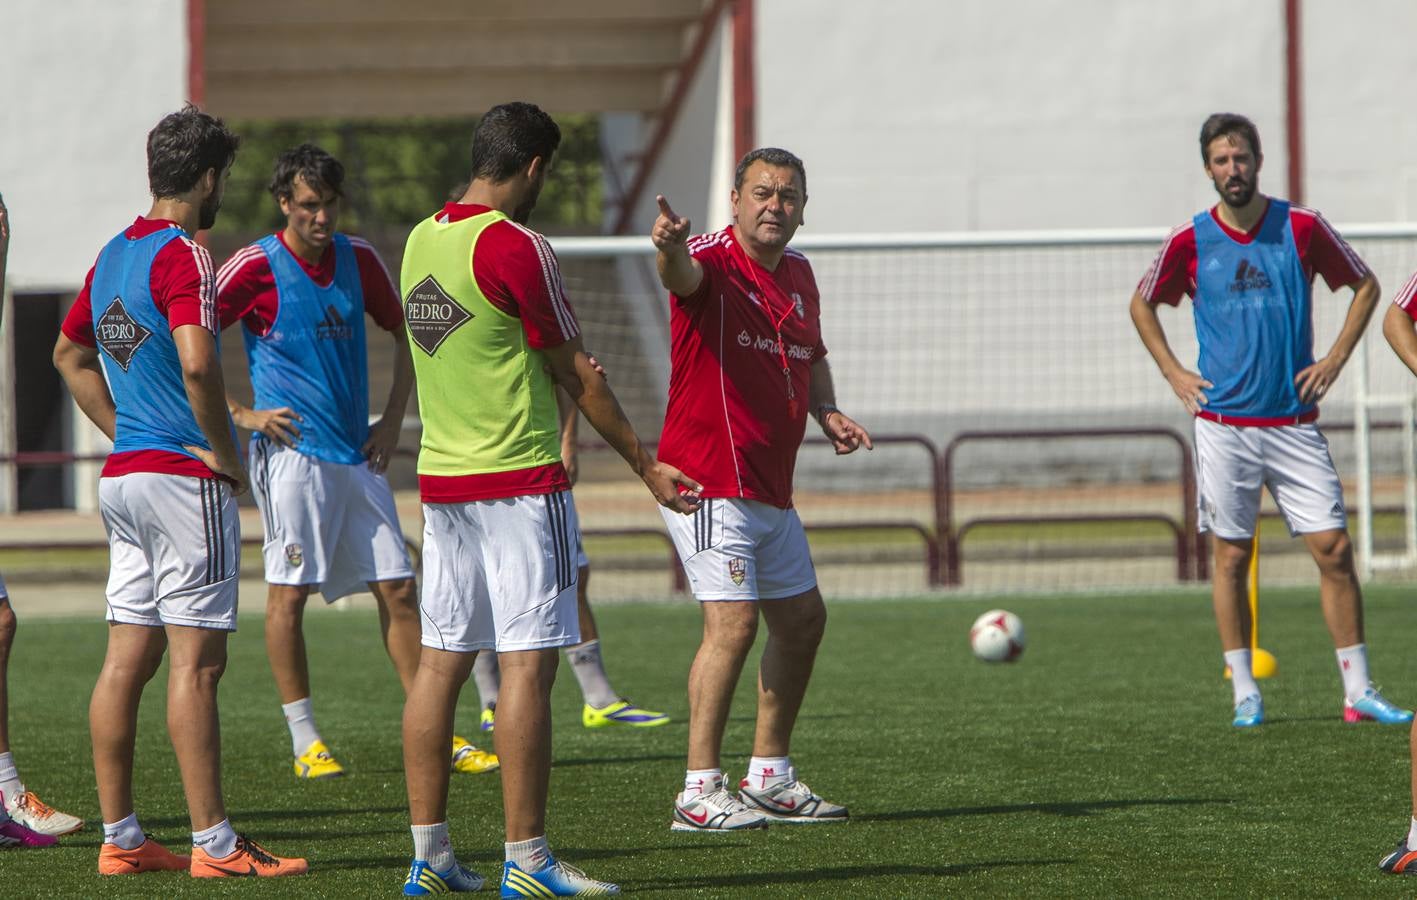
(1397, 326)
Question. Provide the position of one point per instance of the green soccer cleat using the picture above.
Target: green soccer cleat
(621, 712)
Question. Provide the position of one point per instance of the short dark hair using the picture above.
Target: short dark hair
(318, 169)
(773, 156)
(1228, 125)
(183, 146)
(509, 137)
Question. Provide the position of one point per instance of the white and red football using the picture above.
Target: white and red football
(997, 636)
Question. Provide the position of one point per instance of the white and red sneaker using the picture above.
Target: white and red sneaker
(789, 801)
(714, 809)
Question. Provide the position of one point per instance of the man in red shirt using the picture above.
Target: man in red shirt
(139, 354)
(748, 366)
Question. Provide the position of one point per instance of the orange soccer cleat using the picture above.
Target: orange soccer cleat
(249, 859)
(150, 856)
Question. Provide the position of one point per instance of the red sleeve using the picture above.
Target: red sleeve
(709, 252)
(1407, 297)
(381, 298)
(246, 289)
(78, 324)
(1172, 274)
(518, 273)
(1328, 254)
(184, 286)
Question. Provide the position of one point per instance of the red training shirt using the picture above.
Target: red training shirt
(1173, 273)
(731, 424)
(517, 272)
(183, 290)
(246, 287)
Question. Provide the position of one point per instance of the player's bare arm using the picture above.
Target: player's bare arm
(276, 424)
(575, 372)
(1315, 380)
(384, 434)
(570, 426)
(679, 272)
(1189, 386)
(206, 392)
(1401, 334)
(844, 432)
(83, 374)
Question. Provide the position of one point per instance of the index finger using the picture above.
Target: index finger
(664, 209)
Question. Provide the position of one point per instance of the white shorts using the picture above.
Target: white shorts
(735, 549)
(500, 574)
(332, 525)
(1233, 464)
(174, 544)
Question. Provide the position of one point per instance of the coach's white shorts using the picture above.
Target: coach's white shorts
(1233, 464)
(500, 574)
(328, 524)
(174, 544)
(735, 549)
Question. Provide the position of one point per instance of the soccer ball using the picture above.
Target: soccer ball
(997, 636)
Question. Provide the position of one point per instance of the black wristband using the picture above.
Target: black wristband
(825, 410)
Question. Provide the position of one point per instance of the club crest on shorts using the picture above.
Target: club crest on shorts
(737, 569)
(294, 555)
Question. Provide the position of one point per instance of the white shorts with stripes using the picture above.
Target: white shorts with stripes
(328, 524)
(174, 550)
(736, 549)
(500, 574)
(1234, 464)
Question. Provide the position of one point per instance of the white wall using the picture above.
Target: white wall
(85, 80)
(1000, 114)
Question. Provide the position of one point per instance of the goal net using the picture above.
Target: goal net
(1025, 438)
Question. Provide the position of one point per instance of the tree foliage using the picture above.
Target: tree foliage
(398, 172)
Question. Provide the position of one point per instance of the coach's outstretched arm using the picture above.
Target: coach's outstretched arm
(1189, 386)
(206, 393)
(576, 373)
(1314, 381)
(845, 434)
(82, 372)
(678, 271)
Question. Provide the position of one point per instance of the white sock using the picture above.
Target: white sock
(1353, 666)
(1412, 834)
(767, 771)
(125, 835)
(300, 719)
(701, 781)
(531, 855)
(431, 844)
(488, 676)
(10, 784)
(1242, 677)
(589, 670)
(219, 841)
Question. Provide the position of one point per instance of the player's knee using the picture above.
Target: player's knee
(732, 635)
(1232, 560)
(1333, 551)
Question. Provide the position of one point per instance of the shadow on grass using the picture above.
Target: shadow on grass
(488, 860)
(616, 760)
(844, 873)
(276, 815)
(1066, 810)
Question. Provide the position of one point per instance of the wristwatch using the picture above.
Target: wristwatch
(825, 410)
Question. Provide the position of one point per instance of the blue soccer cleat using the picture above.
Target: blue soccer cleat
(1400, 861)
(1373, 707)
(423, 881)
(556, 880)
(1249, 712)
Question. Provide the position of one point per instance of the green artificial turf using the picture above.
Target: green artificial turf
(1102, 764)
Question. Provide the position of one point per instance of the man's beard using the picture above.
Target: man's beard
(207, 214)
(1242, 199)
